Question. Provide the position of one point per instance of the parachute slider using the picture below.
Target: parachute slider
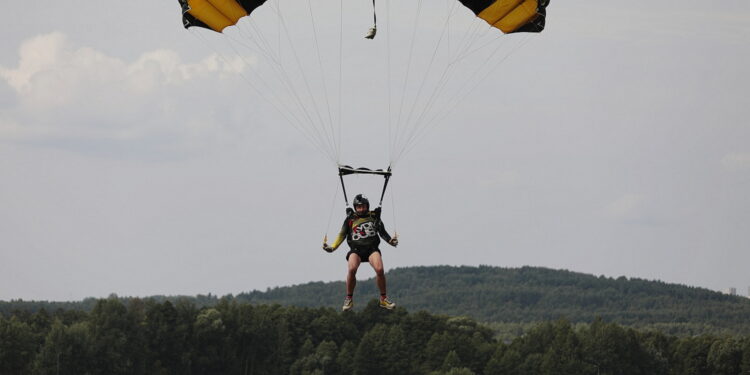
(374, 29)
(347, 170)
(371, 33)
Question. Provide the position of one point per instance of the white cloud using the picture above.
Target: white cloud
(736, 160)
(164, 67)
(35, 55)
(74, 92)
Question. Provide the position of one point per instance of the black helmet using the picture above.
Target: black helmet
(361, 200)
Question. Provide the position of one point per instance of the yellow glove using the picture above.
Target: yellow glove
(326, 247)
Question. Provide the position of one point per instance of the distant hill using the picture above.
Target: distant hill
(510, 297)
(533, 294)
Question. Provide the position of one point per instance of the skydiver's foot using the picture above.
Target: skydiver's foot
(386, 303)
(348, 304)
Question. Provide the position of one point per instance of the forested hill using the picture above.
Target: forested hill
(509, 296)
(533, 294)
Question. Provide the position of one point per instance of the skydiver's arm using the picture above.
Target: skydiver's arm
(393, 241)
(342, 235)
(382, 232)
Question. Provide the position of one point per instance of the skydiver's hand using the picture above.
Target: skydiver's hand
(327, 248)
(377, 211)
(393, 242)
(349, 211)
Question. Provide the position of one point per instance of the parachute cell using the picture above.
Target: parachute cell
(216, 14)
(510, 16)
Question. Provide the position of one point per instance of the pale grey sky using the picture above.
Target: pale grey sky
(135, 159)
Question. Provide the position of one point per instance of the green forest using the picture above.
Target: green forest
(231, 337)
(510, 300)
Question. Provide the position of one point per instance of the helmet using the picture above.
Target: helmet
(361, 200)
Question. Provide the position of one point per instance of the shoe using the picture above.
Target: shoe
(348, 304)
(387, 304)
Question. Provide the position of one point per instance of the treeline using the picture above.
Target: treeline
(508, 299)
(151, 337)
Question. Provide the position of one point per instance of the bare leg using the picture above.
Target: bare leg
(351, 276)
(376, 261)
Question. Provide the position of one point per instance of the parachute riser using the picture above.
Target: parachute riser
(385, 185)
(343, 188)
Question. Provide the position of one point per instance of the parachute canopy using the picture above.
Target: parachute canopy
(216, 14)
(509, 16)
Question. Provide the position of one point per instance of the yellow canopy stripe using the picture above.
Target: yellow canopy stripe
(509, 15)
(217, 14)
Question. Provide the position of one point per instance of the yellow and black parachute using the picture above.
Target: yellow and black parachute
(509, 16)
(395, 90)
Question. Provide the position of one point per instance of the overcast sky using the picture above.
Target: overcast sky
(137, 158)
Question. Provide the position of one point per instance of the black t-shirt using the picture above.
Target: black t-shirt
(362, 231)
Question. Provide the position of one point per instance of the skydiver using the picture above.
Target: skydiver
(361, 229)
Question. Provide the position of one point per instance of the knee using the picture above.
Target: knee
(379, 271)
(352, 271)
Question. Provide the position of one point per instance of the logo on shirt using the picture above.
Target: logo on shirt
(365, 230)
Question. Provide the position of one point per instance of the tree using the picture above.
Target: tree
(745, 364)
(17, 346)
(346, 357)
(451, 361)
(691, 355)
(614, 349)
(564, 355)
(725, 357)
(165, 339)
(109, 330)
(210, 343)
(437, 349)
(505, 361)
(658, 348)
(66, 350)
(382, 350)
(320, 361)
